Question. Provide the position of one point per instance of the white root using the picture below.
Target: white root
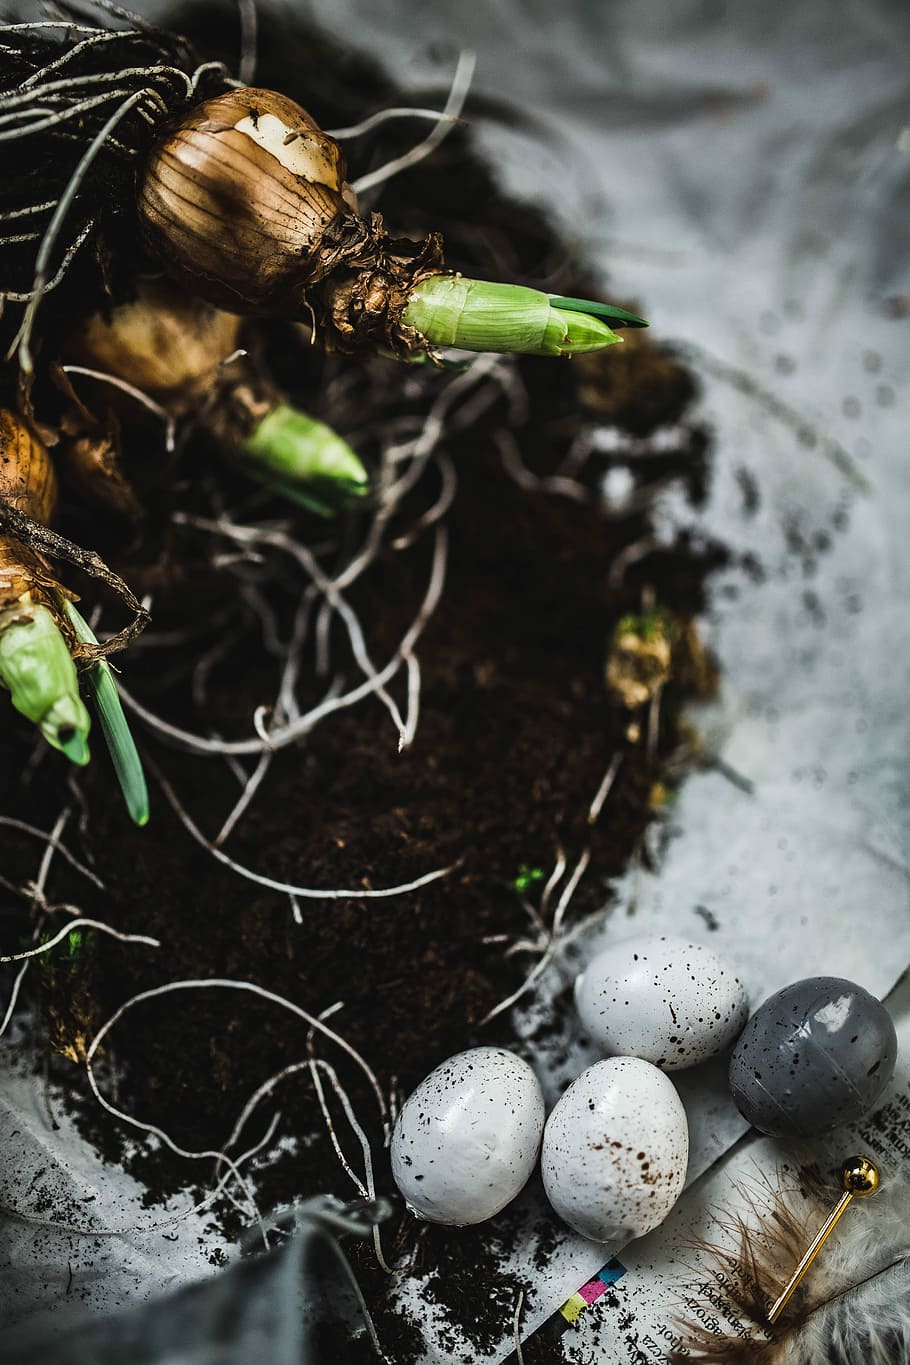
(571, 886)
(227, 983)
(516, 1327)
(80, 922)
(308, 892)
(13, 998)
(249, 32)
(385, 116)
(367, 1186)
(556, 484)
(248, 535)
(250, 788)
(221, 1156)
(551, 939)
(409, 732)
(461, 84)
(295, 730)
(103, 377)
(552, 882)
(53, 841)
(629, 555)
(606, 786)
(21, 344)
(653, 725)
(138, 1230)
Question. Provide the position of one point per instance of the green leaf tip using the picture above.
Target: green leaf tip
(74, 744)
(577, 333)
(479, 315)
(37, 669)
(526, 877)
(616, 317)
(305, 460)
(114, 725)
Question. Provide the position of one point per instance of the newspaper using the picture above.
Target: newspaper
(661, 1276)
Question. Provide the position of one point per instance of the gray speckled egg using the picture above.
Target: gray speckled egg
(815, 1055)
(615, 1150)
(466, 1140)
(668, 1001)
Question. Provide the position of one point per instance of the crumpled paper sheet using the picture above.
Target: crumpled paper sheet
(48, 1171)
(274, 1307)
(741, 176)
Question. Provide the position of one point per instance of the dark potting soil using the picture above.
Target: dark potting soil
(516, 731)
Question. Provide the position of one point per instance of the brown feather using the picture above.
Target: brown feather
(853, 1305)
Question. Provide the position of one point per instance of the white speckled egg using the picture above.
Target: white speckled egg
(466, 1140)
(670, 1002)
(615, 1150)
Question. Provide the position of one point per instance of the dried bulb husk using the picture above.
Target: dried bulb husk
(640, 658)
(25, 578)
(27, 479)
(237, 199)
(167, 344)
(91, 461)
(164, 342)
(36, 666)
(173, 347)
(28, 483)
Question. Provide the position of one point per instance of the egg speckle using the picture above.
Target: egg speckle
(814, 1055)
(615, 1151)
(670, 1002)
(466, 1140)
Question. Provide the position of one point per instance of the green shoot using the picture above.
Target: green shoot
(476, 315)
(72, 950)
(616, 317)
(114, 727)
(305, 460)
(324, 500)
(649, 626)
(526, 878)
(37, 669)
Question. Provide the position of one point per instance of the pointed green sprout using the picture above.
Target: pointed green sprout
(305, 460)
(69, 952)
(38, 670)
(475, 315)
(527, 876)
(617, 317)
(114, 727)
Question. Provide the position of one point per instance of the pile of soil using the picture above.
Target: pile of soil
(516, 731)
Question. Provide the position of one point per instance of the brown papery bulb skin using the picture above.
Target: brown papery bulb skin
(165, 342)
(28, 483)
(27, 478)
(237, 198)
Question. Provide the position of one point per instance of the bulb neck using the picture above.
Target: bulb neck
(359, 304)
